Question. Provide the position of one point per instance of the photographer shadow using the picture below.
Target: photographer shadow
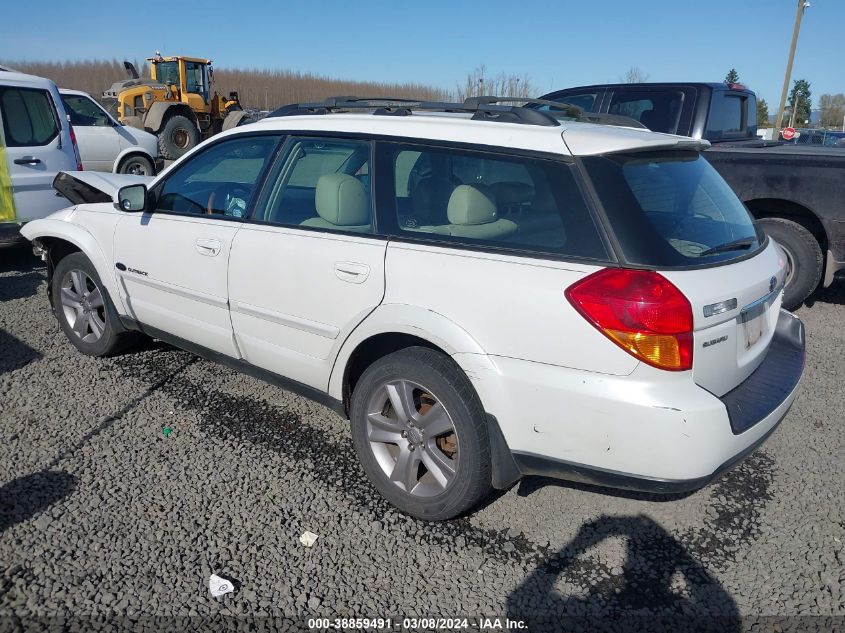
(660, 586)
(16, 353)
(25, 497)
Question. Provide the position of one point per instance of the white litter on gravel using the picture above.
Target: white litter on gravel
(308, 538)
(219, 586)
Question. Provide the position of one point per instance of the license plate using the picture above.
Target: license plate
(754, 330)
(754, 321)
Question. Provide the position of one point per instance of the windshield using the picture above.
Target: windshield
(83, 111)
(167, 73)
(671, 209)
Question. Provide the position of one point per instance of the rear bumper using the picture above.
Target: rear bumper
(650, 431)
(556, 469)
(764, 391)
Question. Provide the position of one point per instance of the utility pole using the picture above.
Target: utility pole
(802, 5)
(795, 110)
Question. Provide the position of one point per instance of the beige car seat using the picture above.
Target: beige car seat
(342, 203)
(472, 213)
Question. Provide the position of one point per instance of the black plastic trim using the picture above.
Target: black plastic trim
(530, 464)
(504, 469)
(772, 382)
(10, 234)
(307, 391)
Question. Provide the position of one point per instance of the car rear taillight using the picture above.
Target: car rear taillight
(75, 149)
(641, 311)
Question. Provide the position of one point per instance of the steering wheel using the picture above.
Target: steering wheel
(170, 200)
(229, 199)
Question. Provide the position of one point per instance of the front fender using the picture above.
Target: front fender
(404, 319)
(83, 240)
(159, 110)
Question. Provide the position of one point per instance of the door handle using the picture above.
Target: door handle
(208, 247)
(27, 160)
(352, 272)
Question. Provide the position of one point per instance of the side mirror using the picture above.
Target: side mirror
(132, 198)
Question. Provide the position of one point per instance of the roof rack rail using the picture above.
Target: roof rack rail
(571, 110)
(483, 108)
(388, 106)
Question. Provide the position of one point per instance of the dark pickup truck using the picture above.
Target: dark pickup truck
(796, 192)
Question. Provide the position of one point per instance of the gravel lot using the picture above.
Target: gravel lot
(103, 516)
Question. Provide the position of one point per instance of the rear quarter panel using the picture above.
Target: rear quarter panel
(511, 306)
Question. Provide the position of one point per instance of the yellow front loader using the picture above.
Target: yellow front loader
(175, 103)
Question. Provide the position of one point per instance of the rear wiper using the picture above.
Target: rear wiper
(736, 245)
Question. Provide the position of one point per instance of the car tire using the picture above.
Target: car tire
(177, 137)
(434, 462)
(804, 258)
(84, 309)
(136, 165)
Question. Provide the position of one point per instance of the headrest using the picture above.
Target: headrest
(471, 204)
(341, 199)
(430, 198)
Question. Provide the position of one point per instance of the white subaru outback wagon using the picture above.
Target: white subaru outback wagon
(486, 291)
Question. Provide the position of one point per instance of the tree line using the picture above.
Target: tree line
(259, 89)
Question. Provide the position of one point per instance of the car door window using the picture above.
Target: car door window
(219, 181)
(83, 112)
(29, 117)
(320, 183)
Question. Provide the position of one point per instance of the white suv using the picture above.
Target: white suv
(486, 291)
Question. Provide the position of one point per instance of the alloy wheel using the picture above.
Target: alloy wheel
(412, 437)
(83, 306)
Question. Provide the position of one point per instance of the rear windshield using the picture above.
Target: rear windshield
(671, 209)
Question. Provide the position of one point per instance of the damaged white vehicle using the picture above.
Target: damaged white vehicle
(485, 291)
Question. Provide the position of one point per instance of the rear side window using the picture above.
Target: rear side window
(659, 111)
(731, 115)
(29, 118)
(485, 199)
(671, 209)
